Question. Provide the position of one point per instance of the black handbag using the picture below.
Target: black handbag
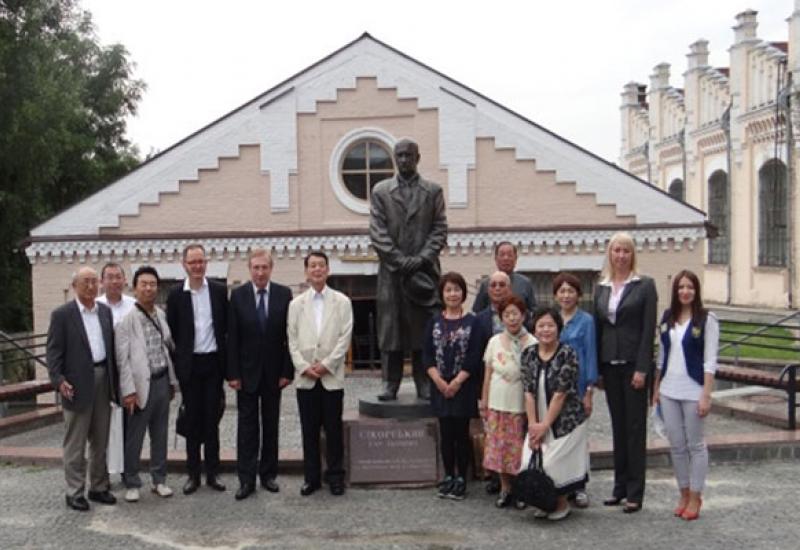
(535, 487)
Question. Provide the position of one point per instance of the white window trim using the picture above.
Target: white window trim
(351, 202)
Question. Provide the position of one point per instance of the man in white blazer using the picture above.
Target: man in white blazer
(147, 383)
(320, 326)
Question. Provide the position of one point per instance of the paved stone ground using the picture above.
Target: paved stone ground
(749, 506)
(357, 387)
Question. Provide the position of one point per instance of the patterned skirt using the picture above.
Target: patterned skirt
(505, 432)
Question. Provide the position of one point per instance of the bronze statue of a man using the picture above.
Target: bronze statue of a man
(408, 229)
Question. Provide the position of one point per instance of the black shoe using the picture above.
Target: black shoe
(387, 396)
(631, 507)
(445, 486)
(270, 485)
(613, 501)
(78, 503)
(214, 483)
(245, 490)
(337, 489)
(503, 500)
(103, 497)
(309, 488)
(458, 490)
(493, 487)
(192, 485)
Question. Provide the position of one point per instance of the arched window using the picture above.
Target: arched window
(772, 215)
(718, 197)
(364, 164)
(676, 189)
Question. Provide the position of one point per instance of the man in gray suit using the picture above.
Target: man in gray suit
(408, 229)
(80, 360)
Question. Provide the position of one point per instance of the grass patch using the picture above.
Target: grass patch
(771, 337)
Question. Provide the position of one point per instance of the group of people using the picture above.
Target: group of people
(530, 374)
(120, 351)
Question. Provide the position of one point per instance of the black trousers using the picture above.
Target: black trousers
(320, 408)
(257, 426)
(628, 409)
(202, 395)
(454, 444)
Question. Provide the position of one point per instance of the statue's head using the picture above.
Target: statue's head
(406, 157)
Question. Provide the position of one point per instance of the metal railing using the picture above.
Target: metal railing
(18, 354)
(743, 338)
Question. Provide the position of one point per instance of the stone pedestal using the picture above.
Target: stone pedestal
(406, 406)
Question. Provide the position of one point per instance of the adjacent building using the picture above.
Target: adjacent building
(724, 142)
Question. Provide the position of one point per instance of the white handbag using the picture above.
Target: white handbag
(115, 457)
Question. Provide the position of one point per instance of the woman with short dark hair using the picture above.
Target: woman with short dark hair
(580, 334)
(556, 417)
(452, 356)
(687, 361)
(502, 404)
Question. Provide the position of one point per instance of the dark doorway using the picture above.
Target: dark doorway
(361, 289)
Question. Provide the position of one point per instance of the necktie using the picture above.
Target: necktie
(261, 310)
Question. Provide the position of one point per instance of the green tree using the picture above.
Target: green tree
(64, 99)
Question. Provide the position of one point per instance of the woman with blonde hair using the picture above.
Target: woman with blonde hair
(625, 303)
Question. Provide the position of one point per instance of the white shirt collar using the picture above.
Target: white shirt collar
(83, 309)
(255, 288)
(632, 277)
(188, 288)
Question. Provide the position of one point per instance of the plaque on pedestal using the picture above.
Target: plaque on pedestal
(392, 451)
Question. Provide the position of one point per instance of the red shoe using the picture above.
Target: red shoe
(678, 511)
(691, 516)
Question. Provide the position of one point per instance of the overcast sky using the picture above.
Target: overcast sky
(560, 63)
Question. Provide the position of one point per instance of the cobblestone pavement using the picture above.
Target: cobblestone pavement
(357, 387)
(749, 506)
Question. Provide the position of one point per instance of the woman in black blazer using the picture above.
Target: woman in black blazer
(625, 305)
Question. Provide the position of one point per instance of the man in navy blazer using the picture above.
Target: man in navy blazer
(197, 317)
(82, 368)
(259, 367)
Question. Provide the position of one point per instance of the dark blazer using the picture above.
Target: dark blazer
(631, 337)
(251, 353)
(69, 356)
(180, 317)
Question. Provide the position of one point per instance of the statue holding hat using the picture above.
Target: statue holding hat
(408, 229)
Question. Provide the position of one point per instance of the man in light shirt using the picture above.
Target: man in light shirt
(320, 328)
(112, 278)
(197, 315)
(81, 365)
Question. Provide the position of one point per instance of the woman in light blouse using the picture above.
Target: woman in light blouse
(502, 403)
(625, 305)
(687, 361)
(580, 335)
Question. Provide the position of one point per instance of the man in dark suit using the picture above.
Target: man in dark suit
(80, 361)
(197, 317)
(259, 367)
(505, 258)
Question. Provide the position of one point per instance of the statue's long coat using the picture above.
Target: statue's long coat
(399, 229)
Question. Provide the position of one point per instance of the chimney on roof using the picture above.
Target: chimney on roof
(698, 54)
(630, 94)
(660, 77)
(746, 26)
